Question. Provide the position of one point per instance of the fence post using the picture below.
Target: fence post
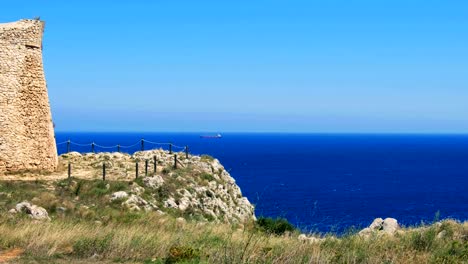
(118, 148)
(103, 171)
(136, 170)
(69, 170)
(155, 163)
(68, 146)
(92, 147)
(142, 144)
(170, 148)
(175, 161)
(146, 167)
(186, 152)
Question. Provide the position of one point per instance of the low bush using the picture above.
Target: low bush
(183, 254)
(208, 177)
(276, 226)
(206, 158)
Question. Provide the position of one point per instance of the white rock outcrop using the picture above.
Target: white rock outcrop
(34, 211)
(153, 182)
(119, 195)
(388, 226)
(136, 203)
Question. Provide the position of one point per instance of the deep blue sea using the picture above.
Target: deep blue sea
(330, 182)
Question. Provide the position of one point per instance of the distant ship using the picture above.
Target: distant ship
(211, 136)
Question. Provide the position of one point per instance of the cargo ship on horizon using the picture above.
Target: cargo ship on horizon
(211, 136)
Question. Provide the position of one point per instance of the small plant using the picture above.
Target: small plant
(77, 188)
(163, 192)
(206, 158)
(276, 226)
(100, 188)
(183, 254)
(207, 176)
(118, 186)
(166, 170)
(423, 240)
(437, 216)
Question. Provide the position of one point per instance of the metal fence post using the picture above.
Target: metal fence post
(146, 167)
(92, 147)
(186, 152)
(118, 148)
(175, 161)
(69, 170)
(170, 148)
(142, 144)
(103, 171)
(68, 146)
(136, 170)
(155, 163)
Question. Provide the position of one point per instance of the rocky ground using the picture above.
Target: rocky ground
(199, 187)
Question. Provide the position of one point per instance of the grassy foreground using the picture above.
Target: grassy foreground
(163, 239)
(88, 228)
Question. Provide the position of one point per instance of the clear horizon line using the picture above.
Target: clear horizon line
(268, 132)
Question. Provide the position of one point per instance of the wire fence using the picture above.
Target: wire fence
(143, 145)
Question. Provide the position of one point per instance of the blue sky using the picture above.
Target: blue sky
(285, 66)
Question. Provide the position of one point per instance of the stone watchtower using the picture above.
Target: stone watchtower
(26, 131)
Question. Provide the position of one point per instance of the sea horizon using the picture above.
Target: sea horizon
(323, 181)
(264, 132)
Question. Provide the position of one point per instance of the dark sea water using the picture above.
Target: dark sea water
(322, 182)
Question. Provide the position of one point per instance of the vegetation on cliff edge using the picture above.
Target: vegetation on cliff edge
(104, 232)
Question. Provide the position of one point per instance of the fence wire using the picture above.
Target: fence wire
(141, 142)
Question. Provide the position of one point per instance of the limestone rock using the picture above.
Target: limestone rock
(153, 182)
(34, 211)
(170, 203)
(184, 203)
(137, 189)
(135, 203)
(390, 225)
(379, 226)
(119, 195)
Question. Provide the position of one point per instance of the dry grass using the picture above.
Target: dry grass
(162, 239)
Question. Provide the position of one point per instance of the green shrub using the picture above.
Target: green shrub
(276, 226)
(207, 176)
(183, 254)
(166, 170)
(206, 158)
(423, 240)
(139, 181)
(77, 188)
(454, 252)
(163, 192)
(118, 186)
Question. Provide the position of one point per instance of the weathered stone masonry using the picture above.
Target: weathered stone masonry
(26, 128)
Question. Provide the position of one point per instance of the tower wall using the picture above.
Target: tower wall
(26, 130)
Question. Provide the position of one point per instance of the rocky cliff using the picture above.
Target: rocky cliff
(199, 188)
